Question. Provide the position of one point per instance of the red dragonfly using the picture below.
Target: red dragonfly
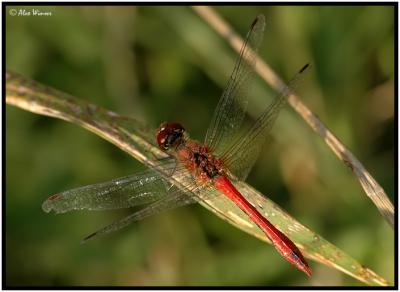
(194, 171)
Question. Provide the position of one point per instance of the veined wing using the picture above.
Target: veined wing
(230, 111)
(166, 186)
(177, 197)
(133, 190)
(242, 155)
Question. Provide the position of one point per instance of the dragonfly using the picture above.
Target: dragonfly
(195, 171)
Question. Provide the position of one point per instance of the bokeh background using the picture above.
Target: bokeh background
(166, 63)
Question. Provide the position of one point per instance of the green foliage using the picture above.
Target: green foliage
(164, 63)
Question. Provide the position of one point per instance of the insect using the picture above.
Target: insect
(195, 171)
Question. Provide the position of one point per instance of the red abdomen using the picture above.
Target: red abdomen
(281, 242)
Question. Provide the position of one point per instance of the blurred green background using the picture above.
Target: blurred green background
(166, 63)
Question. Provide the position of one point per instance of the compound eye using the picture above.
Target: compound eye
(168, 134)
(164, 145)
(162, 141)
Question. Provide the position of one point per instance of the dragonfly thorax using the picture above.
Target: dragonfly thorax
(199, 160)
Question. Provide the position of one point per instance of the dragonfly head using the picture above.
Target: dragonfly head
(170, 135)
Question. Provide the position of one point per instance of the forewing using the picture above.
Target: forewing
(124, 192)
(242, 155)
(230, 111)
(177, 197)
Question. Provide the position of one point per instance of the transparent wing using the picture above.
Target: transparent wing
(124, 192)
(242, 155)
(177, 197)
(229, 114)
